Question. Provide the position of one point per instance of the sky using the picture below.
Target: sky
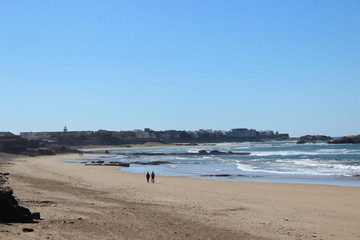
(287, 66)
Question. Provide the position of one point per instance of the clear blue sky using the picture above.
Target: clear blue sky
(290, 66)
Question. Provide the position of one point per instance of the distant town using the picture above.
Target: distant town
(47, 143)
(104, 137)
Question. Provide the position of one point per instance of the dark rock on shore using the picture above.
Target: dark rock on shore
(37, 152)
(224, 175)
(32, 148)
(10, 211)
(102, 163)
(15, 145)
(28, 229)
(118, 164)
(216, 175)
(121, 164)
(151, 163)
(144, 154)
(344, 140)
(51, 150)
(201, 152)
(216, 152)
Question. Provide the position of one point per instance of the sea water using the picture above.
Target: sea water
(286, 162)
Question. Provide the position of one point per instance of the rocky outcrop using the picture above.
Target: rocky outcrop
(225, 175)
(22, 146)
(201, 152)
(344, 140)
(313, 138)
(10, 211)
(152, 163)
(103, 163)
(17, 145)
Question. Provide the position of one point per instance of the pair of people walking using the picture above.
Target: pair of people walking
(152, 177)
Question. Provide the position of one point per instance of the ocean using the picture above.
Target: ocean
(278, 162)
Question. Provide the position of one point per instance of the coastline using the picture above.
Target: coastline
(247, 173)
(78, 202)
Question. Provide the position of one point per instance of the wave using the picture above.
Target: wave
(308, 153)
(300, 167)
(248, 168)
(281, 153)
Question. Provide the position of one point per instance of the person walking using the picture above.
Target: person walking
(152, 177)
(148, 176)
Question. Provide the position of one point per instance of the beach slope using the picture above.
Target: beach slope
(94, 202)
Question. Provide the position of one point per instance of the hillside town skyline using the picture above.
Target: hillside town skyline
(140, 136)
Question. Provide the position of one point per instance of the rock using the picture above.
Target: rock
(93, 164)
(28, 229)
(36, 215)
(216, 152)
(216, 175)
(102, 163)
(344, 140)
(158, 162)
(312, 138)
(301, 142)
(203, 152)
(119, 164)
(10, 211)
(151, 163)
(41, 152)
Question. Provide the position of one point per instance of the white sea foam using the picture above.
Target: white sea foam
(281, 153)
(180, 158)
(306, 153)
(299, 166)
(337, 151)
(285, 171)
(193, 150)
(319, 163)
(172, 165)
(248, 168)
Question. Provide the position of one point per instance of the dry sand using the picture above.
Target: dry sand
(95, 202)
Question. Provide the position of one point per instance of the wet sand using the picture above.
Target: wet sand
(94, 202)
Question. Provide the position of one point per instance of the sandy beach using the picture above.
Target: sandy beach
(95, 202)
